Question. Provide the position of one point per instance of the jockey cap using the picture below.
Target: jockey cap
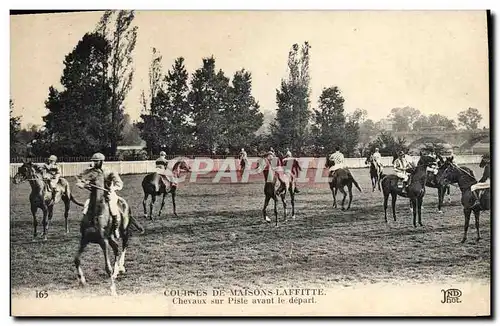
(97, 157)
(52, 158)
(162, 153)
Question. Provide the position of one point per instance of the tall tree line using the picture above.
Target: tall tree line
(209, 114)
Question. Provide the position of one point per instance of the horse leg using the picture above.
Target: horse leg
(104, 243)
(67, 204)
(34, 208)
(419, 207)
(77, 261)
(467, 212)
(283, 200)
(394, 197)
(121, 264)
(266, 202)
(476, 218)
(440, 198)
(162, 204)
(386, 197)
(342, 191)
(292, 200)
(378, 181)
(116, 251)
(45, 221)
(349, 189)
(144, 201)
(334, 193)
(173, 202)
(448, 193)
(151, 205)
(413, 202)
(276, 210)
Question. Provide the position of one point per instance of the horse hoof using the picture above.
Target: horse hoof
(122, 269)
(343, 208)
(463, 240)
(477, 240)
(293, 217)
(267, 219)
(440, 212)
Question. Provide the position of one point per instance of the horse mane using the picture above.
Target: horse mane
(38, 168)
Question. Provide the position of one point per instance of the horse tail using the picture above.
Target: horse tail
(75, 201)
(134, 222)
(356, 184)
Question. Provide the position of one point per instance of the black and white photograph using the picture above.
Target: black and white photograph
(250, 163)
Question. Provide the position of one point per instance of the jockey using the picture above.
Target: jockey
(288, 156)
(162, 167)
(243, 157)
(112, 182)
(52, 174)
(377, 159)
(401, 164)
(338, 159)
(483, 183)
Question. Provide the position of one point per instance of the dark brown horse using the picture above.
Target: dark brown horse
(415, 190)
(452, 173)
(96, 227)
(41, 196)
(338, 180)
(375, 172)
(280, 176)
(154, 185)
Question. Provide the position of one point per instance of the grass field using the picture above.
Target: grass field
(220, 239)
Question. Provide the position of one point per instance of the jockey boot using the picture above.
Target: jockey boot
(296, 190)
(53, 200)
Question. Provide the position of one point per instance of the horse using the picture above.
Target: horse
(432, 181)
(452, 173)
(375, 172)
(96, 227)
(415, 190)
(41, 196)
(153, 186)
(278, 182)
(338, 180)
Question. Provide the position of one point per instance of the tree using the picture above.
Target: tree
(208, 99)
(470, 118)
(403, 118)
(242, 116)
(433, 121)
(131, 133)
(78, 122)
(290, 126)
(387, 144)
(122, 36)
(153, 119)
(15, 127)
(329, 120)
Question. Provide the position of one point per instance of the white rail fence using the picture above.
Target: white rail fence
(207, 164)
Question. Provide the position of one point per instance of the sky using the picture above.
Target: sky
(435, 61)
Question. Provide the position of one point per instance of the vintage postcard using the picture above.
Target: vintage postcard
(250, 163)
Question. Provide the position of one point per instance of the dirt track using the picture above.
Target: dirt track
(220, 240)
